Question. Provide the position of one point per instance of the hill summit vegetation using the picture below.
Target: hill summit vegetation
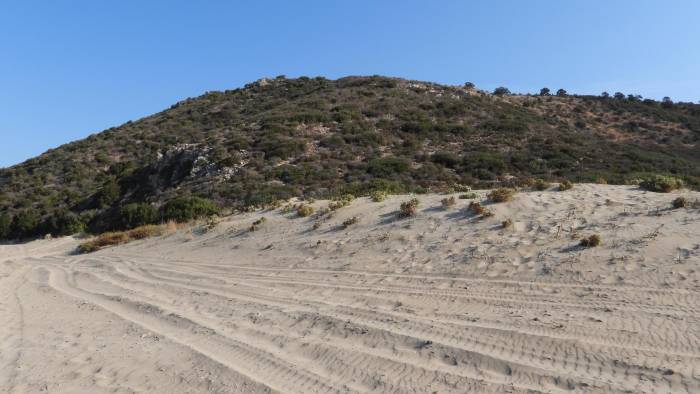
(313, 137)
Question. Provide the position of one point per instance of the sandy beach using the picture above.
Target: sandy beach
(441, 302)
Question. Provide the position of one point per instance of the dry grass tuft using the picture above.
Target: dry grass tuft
(591, 242)
(448, 202)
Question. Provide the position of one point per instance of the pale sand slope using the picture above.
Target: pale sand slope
(443, 302)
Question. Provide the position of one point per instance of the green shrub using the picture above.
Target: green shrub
(501, 195)
(5, 226)
(468, 196)
(591, 242)
(305, 210)
(138, 214)
(183, 209)
(342, 201)
(378, 195)
(409, 208)
(566, 185)
(661, 184)
(680, 202)
(26, 223)
(63, 222)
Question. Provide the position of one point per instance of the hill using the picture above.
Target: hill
(313, 137)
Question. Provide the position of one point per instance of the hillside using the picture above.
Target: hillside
(314, 137)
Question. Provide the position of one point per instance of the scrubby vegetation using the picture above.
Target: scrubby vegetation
(350, 221)
(312, 137)
(448, 202)
(121, 237)
(661, 184)
(591, 241)
(565, 185)
(501, 195)
(680, 202)
(540, 185)
(341, 202)
(409, 208)
(257, 224)
(378, 195)
(305, 210)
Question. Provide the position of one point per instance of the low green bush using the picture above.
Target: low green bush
(183, 209)
(661, 184)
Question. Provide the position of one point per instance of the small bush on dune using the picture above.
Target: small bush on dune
(591, 242)
(476, 208)
(661, 184)
(409, 208)
(501, 195)
(305, 210)
(256, 224)
(565, 185)
(540, 185)
(343, 201)
(507, 223)
(680, 202)
(350, 221)
(468, 196)
(378, 195)
(448, 202)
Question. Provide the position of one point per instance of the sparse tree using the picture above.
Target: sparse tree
(501, 91)
(561, 93)
(544, 92)
(605, 95)
(619, 95)
(469, 85)
(666, 102)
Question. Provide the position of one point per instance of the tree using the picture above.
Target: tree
(544, 92)
(501, 91)
(63, 222)
(561, 93)
(5, 226)
(469, 85)
(605, 95)
(109, 193)
(26, 223)
(666, 102)
(183, 209)
(619, 95)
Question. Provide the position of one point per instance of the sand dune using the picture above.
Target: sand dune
(440, 302)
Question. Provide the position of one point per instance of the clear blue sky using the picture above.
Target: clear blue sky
(72, 68)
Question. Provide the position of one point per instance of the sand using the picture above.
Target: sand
(440, 302)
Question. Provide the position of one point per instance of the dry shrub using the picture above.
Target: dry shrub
(409, 208)
(476, 208)
(591, 242)
(540, 185)
(147, 231)
(448, 202)
(501, 195)
(305, 210)
(378, 195)
(350, 221)
(565, 185)
(680, 202)
(341, 202)
(507, 223)
(256, 224)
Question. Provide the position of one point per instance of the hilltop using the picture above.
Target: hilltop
(312, 137)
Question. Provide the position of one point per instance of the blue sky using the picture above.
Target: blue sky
(72, 68)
